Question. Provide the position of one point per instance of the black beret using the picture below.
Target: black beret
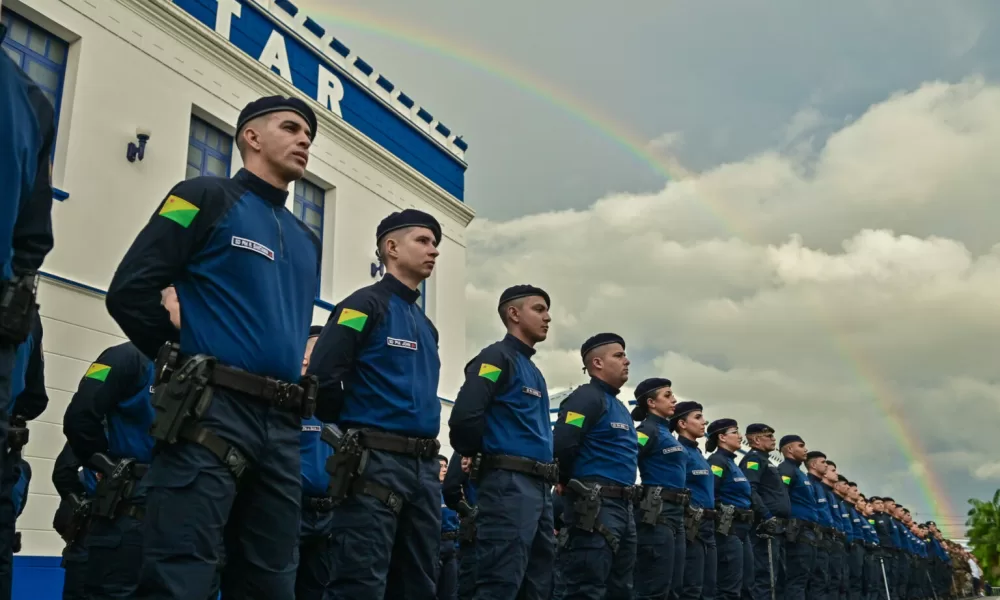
(788, 439)
(601, 339)
(522, 291)
(648, 386)
(271, 104)
(682, 410)
(315, 330)
(931, 524)
(719, 425)
(408, 218)
(814, 454)
(753, 428)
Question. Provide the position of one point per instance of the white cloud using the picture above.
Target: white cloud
(815, 294)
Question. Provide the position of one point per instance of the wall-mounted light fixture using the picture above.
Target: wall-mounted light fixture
(138, 151)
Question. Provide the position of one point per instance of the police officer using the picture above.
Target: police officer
(700, 559)
(869, 578)
(819, 579)
(107, 422)
(887, 543)
(771, 506)
(75, 488)
(801, 536)
(460, 495)
(663, 471)
(315, 561)
(501, 417)
(596, 445)
(837, 558)
(378, 368)
(856, 551)
(246, 273)
(733, 513)
(899, 569)
(447, 584)
(28, 400)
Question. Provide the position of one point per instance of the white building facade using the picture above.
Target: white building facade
(183, 70)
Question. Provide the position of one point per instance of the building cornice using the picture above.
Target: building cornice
(190, 32)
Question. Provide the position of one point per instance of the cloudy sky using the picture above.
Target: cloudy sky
(789, 210)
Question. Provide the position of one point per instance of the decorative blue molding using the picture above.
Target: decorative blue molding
(59, 195)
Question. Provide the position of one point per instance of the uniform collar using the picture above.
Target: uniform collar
(262, 188)
(687, 442)
(399, 288)
(518, 345)
(604, 386)
(726, 453)
(658, 419)
(797, 463)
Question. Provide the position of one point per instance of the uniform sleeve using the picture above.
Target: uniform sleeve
(116, 375)
(577, 416)
(485, 376)
(344, 336)
(34, 399)
(66, 474)
(454, 478)
(178, 229)
(649, 443)
(720, 471)
(753, 467)
(32, 239)
(19, 147)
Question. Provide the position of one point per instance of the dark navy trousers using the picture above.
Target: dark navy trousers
(800, 559)
(74, 564)
(447, 585)
(835, 570)
(114, 548)
(6, 501)
(315, 560)
(819, 578)
(659, 556)
(377, 554)
(700, 565)
(202, 529)
(9, 476)
(466, 570)
(515, 543)
(590, 569)
(761, 582)
(855, 571)
(730, 552)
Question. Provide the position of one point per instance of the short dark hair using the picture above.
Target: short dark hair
(443, 458)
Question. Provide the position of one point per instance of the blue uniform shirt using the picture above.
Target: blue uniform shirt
(731, 485)
(699, 476)
(314, 454)
(503, 406)
(595, 438)
(662, 459)
(800, 493)
(822, 501)
(246, 271)
(377, 363)
(857, 523)
(868, 527)
(836, 512)
(894, 531)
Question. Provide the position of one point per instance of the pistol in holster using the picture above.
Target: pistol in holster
(81, 507)
(115, 487)
(651, 505)
(348, 460)
(18, 308)
(467, 522)
(181, 392)
(587, 504)
(17, 435)
(476, 467)
(792, 530)
(692, 522)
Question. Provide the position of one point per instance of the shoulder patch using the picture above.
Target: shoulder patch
(717, 470)
(753, 466)
(179, 211)
(643, 438)
(352, 319)
(786, 479)
(488, 371)
(98, 371)
(575, 419)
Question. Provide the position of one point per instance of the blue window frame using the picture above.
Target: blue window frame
(210, 151)
(308, 207)
(422, 300)
(39, 53)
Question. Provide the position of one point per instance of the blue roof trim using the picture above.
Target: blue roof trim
(287, 6)
(443, 130)
(315, 27)
(426, 116)
(58, 194)
(324, 304)
(461, 144)
(340, 48)
(446, 401)
(385, 84)
(405, 100)
(363, 66)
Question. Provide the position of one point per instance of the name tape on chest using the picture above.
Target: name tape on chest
(617, 425)
(398, 343)
(312, 428)
(700, 472)
(673, 449)
(253, 246)
(739, 479)
(531, 392)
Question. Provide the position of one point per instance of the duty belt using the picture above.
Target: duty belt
(318, 503)
(709, 515)
(282, 395)
(449, 536)
(743, 516)
(680, 497)
(399, 444)
(546, 471)
(626, 492)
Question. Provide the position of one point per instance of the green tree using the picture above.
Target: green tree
(984, 535)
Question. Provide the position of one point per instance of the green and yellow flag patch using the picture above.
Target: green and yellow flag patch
(488, 371)
(786, 479)
(353, 319)
(717, 470)
(98, 371)
(753, 466)
(643, 438)
(871, 521)
(574, 418)
(179, 211)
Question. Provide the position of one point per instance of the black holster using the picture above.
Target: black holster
(18, 308)
(115, 487)
(651, 505)
(181, 393)
(467, 522)
(727, 513)
(347, 461)
(476, 467)
(587, 504)
(792, 530)
(17, 435)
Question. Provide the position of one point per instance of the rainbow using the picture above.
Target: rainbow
(885, 398)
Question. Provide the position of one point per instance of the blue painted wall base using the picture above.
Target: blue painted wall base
(38, 578)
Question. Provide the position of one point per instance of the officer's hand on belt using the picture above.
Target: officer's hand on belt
(466, 464)
(169, 300)
(771, 526)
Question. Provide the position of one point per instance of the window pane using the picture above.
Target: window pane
(37, 42)
(193, 172)
(13, 54)
(212, 139)
(227, 145)
(197, 130)
(57, 52)
(43, 76)
(314, 218)
(215, 166)
(18, 32)
(195, 156)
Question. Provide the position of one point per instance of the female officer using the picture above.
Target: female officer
(660, 518)
(699, 561)
(734, 516)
